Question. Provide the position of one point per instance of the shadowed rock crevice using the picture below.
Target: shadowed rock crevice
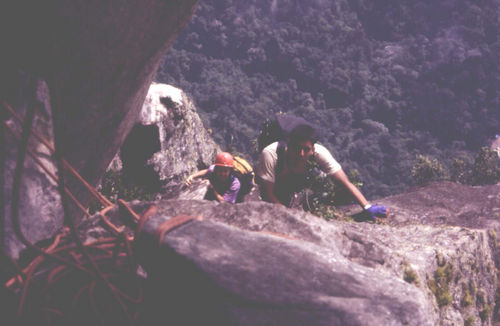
(137, 149)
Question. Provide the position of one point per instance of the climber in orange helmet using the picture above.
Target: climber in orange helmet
(223, 186)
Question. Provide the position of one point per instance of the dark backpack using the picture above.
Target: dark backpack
(279, 129)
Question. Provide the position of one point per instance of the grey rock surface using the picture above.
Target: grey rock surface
(257, 279)
(447, 203)
(178, 144)
(247, 250)
(39, 206)
(98, 59)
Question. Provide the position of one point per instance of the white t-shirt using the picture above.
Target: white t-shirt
(269, 158)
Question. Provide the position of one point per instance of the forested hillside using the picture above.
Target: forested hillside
(385, 80)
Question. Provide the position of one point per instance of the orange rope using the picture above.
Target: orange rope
(46, 169)
(102, 215)
(129, 210)
(37, 260)
(171, 224)
(142, 221)
(103, 200)
(116, 247)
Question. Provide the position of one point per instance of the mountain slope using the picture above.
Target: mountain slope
(385, 80)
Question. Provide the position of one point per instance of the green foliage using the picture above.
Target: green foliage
(410, 276)
(444, 273)
(497, 299)
(481, 297)
(441, 261)
(329, 212)
(374, 77)
(322, 198)
(426, 169)
(486, 169)
(469, 321)
(440, 284)
(485, 313)
(492, 236)
(482, 301)
(467, 296)
(325, 193)
(460, 171)
(114, 186)
(324, 188)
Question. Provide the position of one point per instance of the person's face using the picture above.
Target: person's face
(302, 151)
(222, 172)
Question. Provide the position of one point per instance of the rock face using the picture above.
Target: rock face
(495, 145)
(169, 141)
(40, 212)
(256, 263)
(446, 203)
(98, 59)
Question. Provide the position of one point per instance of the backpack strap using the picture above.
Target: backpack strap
(280, 163)
(243, 165)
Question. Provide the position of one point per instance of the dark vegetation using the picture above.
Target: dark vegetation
(484, 169)
(385, 80)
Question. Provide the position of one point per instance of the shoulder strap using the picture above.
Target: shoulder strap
(242, 165)
(280, 163)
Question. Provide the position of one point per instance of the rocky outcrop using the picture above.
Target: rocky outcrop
(446, 203)
(169, 138)
(257, 263)
(39, 210)
(495, 145)
(251, 278)
(98, 59)
(168, 142)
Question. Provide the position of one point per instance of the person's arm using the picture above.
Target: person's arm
(193, 176)
(355, 192)
(231, 194)
(267, 192)
(373, 210)
(331, 167)
(217, 196)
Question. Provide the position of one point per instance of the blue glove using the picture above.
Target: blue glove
(377, 211)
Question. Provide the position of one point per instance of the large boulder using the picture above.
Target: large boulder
(169, 140)
(98, 59)
(39, 210)
(258, 263)
(445, 202)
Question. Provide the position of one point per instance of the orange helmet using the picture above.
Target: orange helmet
(224, 159)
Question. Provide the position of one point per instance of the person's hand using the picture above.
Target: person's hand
(189, 180)
(211, 189)
(377, 211)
